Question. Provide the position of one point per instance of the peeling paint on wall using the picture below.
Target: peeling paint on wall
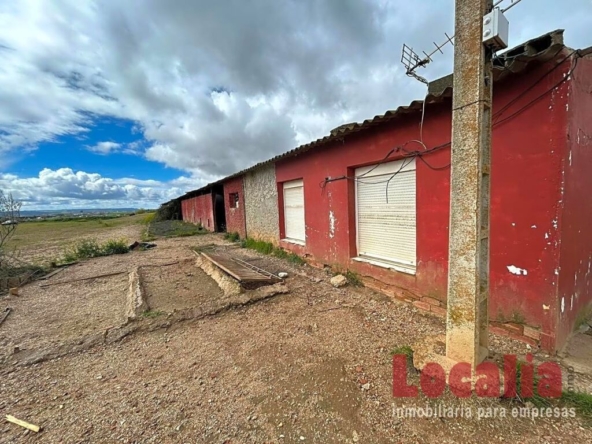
(562, 305)
(517, 271)
(331, 224)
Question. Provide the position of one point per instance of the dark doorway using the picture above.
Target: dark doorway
(219, 209)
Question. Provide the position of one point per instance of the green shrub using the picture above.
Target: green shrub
(114, 247)
(232, 236)
(69, 256)
(89, 248)
(86, 249)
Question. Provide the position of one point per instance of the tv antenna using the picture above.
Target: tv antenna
(412, 61)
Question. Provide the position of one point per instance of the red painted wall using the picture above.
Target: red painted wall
(198, 210)
(235, 217)
(526, 182)
(575, 277)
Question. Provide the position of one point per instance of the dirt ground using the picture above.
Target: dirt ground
(313, 365)
(178, 286)
(45, 316)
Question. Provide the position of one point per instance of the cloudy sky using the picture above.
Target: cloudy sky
(130, 103)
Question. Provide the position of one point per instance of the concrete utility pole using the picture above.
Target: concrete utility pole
(468, 274)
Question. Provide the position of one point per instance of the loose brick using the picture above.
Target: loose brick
(440, 311)
(498, 330)
(315, 264)
(523, 338)
(412, 296)
(431, 301)
(374, 285)
(532, 332)
(514, 328)
(422, 305)
(400, 297)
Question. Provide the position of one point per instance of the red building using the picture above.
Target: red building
(217, 207)
(234, 205)
(205, 207)
(374, 197)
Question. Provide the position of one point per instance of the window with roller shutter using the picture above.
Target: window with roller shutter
(294, 211)
(386, 214)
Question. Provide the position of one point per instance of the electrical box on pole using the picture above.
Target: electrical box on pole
(496, 30)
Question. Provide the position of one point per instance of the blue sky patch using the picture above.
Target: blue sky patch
(76, 151)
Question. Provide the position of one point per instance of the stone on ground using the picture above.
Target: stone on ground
(338, 281)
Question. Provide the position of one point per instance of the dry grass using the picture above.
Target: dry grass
(42, 242)
(31, 234)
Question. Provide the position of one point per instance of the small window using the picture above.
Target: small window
(233, 200)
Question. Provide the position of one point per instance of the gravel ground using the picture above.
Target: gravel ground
(42, 317)
(292, 369)
(178, 286)
(313, 365)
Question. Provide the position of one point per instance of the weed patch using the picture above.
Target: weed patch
(174, 228)
(295, 259)
(232, 236)
(89, 248)
(114, 247)
(581, 401)
(269, 249)
(148, 218)
(353, 278)
(260, 246)
(404, 350)
(151, 314)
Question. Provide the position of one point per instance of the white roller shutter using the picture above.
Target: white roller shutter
(294, 210)
(386, 228)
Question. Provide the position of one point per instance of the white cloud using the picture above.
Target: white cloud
(65, 188)
(217, 86)
(104, 147)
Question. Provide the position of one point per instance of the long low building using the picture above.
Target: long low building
(374, 197)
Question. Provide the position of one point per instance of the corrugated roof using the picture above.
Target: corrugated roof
(515, 60)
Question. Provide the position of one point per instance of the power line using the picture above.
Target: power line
(514, 3)
(426, 151)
